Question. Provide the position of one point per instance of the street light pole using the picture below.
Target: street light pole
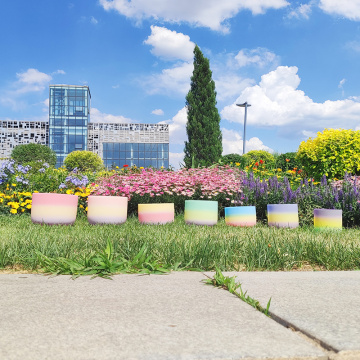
(245, 105)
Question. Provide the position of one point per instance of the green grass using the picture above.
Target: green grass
(84, 248)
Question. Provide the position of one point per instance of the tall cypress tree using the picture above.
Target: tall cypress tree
(204, 145)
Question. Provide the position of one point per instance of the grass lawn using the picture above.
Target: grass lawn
(132, 247)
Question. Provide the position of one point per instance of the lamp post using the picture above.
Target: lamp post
(245, 105)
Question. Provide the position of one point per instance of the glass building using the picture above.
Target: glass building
(69, 115)
(139, 154)
(129, 144)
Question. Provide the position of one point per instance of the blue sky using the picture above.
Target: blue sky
(295, 62)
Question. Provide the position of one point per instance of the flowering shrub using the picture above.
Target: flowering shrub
(14, 202)
(74, 180)
(287, 161)
(219, 183)
(331, 153)
(309, 195)
(255, 156)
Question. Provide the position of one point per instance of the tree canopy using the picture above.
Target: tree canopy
(204, 145)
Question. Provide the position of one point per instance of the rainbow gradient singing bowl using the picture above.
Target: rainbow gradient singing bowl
(107, 209)
(328, 219)
(240, 216)
(201, 212)
(283, 215)
(53, 209)
(156, 213)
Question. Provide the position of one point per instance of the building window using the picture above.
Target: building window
(138, 154)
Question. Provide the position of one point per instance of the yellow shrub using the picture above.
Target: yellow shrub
(332, 153)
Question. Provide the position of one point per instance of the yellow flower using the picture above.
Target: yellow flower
(81, 207)
(13, 185)
(69, 191)
(22, 210)
(237, 164)
(28, 206)
(13, 211)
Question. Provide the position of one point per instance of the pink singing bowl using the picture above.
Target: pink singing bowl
(156, 213)
(53, 209)
(107, 209)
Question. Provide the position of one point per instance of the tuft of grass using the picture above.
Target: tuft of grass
(102, 264)
(229, 284)
(174, 246)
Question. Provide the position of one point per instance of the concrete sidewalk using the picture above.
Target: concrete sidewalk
(177, 316)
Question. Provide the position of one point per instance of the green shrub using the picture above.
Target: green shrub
(287, 161)
(332, 153)
(30, 153)
(232, 158)
(254, 156)
(83, 161)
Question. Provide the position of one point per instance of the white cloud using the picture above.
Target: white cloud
(341, 86)
(231, 85)
(353, 45)
(301, 12)
(348, 8)
(205, 13)
(276, 101)
(176, 160)
(32, 80)
(61, 72)
(177, 127)
(309, 134)
(175, 80)
(98, 117)
(233, 143)
(341, 83)
(45, 104)
(93, 20)
(158, 112)
(170, 45)
(260, 57)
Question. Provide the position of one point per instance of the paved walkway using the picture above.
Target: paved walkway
(177, 316)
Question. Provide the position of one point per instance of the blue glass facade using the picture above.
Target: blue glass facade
(139, 154)
(69, 115)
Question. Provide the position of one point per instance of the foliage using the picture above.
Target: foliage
(29, 153)
(228, 283)
(83, 161)
(287, 161)
(256, 156)
(332, 153)
(102, 264)
(231, 159)
(204, 145)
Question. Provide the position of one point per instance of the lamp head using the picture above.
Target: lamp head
(244, 104)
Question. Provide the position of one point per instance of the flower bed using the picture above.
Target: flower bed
(225, 184)
(218, 183)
